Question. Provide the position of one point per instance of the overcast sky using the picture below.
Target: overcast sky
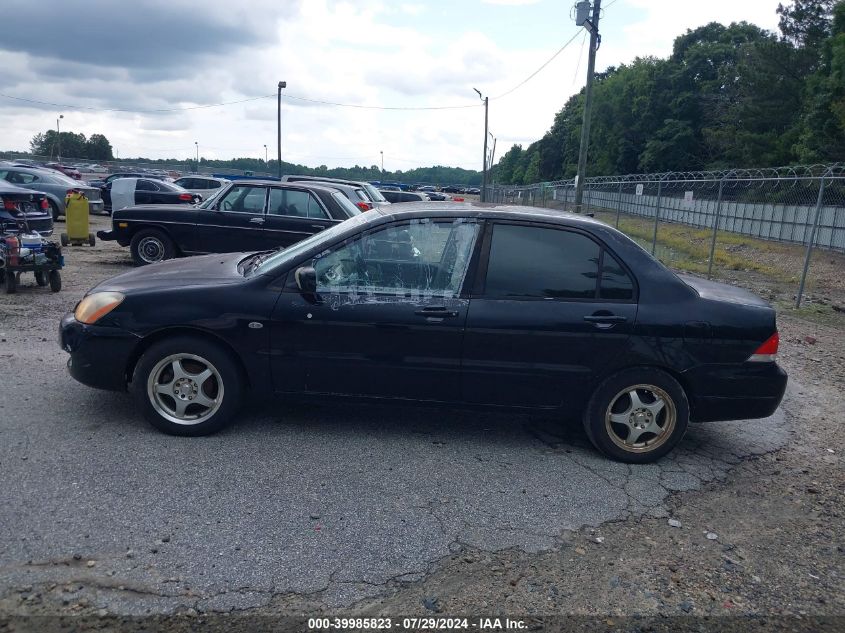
(158, 54)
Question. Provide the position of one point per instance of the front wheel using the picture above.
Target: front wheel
(187, 386)
(637, 416)
(151, 246)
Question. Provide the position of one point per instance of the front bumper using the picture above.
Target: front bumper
(99, 356)
(735, 392)
(106, 236)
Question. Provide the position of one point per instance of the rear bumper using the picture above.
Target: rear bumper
(99, 356)
(735, 392)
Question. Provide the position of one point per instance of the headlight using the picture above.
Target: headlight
(94, 307)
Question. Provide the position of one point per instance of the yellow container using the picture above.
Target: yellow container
(76, 216)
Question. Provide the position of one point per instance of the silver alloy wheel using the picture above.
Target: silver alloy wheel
(185, 389)
(151, 249)
(641, 418)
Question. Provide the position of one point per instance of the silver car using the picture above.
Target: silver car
(205, 186)
(373, 194)
(55, 185)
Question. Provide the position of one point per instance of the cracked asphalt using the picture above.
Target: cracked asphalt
(339, 501)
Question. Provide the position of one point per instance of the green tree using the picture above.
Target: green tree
(98, 148)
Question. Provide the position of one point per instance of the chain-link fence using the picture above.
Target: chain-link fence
(779, 231)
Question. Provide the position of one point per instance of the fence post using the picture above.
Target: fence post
(544, 197)
(657, 215)
(715, 229)
(810, 244)
(619, 204)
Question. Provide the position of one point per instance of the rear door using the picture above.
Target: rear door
(292, 215)
(543, 321)
(235, 223)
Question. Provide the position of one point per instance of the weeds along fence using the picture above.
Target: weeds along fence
(701, 221)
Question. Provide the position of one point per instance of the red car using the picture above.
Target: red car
(65, 169)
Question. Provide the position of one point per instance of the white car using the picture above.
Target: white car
(205, 186)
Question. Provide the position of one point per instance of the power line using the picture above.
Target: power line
(536, 72)
(68, 106)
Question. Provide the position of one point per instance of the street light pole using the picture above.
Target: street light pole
(484, 162)
(198, 155)
(59, 139)
(382, 165)
(593, 28)
(282, 84)
(265, 154)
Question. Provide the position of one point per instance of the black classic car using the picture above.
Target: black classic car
(466, 305)
(243, 216)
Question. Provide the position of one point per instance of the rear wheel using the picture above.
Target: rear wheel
(150, 246)
(10, 282)
(65, 240)
(92, 241)
(637, 416)
(187, 386)
(55, 280)
(54, 210)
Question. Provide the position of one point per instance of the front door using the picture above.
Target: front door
(543, 321)
(387, 319)
(236, 223)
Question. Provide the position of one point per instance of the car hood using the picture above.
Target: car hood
(205, 270)
(716, 291)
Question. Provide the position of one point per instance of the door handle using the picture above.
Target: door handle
(256, 221)
(436, 312)
(319, 227)
(605, 318)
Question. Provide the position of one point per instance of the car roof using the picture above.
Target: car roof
(342, 181)
(204, 177)
(483, 210)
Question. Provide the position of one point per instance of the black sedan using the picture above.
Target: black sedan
(245, 215)
(447, 303)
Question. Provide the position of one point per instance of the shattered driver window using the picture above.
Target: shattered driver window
(416, 258)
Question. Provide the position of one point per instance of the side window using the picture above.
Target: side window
(298, 204)
(615, 282)
(416, 258)
(212, 184)
(244, 199)
(541, 263)
(145, 185)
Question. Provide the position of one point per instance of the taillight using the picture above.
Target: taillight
(186, 196)
(44, 204)
(364, 206)
(10, 205)
(768, 351)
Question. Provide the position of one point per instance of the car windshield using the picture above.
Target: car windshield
(60, 178)
(374, 193)
(285, 256)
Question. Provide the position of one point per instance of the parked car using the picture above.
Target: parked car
(355, 194)
(244, 216)
(437, 196)
(450, 304)
(102, 182)
(473, 190)
(149, 191)
(373, 194)
(55, 185)
(205, 186)
(404, 196)
(67, 170)
(452, 189)
(22, 208)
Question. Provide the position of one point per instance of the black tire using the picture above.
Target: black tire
(11, 282)
(40, 278)
(54, 210)
(55, 278)
(196, 355)
(65, 239)
(92, 241)
(150, 246)
(613, 398)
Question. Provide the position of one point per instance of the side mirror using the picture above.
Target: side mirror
(306, 279)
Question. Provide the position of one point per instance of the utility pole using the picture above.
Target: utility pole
(59, 139)
(381, 151)
(265, 155)
(484, 162)
(282, 84)
(595, 40)
(197, 170)
(490, 168)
